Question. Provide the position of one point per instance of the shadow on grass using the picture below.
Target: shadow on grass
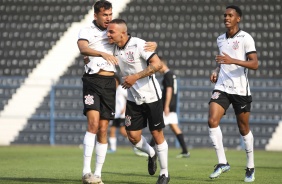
(141, 177)
(36, 180)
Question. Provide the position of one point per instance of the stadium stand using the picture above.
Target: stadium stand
(185, 30)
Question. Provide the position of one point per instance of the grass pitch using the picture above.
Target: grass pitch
(59, 165)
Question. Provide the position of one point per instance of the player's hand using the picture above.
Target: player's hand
(150, 46)
(86, 60)
(129, 81)
(223, 59)
(214, 76)
(110, 58)
(166, 111)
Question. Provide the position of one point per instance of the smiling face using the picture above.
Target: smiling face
(231, 18)
(103, 17)
(114, 33)
(117, 33)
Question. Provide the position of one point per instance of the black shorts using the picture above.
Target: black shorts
(137, 116)
(119, 122)
(240, 103)
(99, 93)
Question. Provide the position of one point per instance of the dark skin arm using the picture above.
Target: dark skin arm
(251, 63)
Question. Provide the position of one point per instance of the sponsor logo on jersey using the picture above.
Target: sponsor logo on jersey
(127, 120)
(89, 99)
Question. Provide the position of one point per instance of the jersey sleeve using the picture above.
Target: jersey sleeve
(83, 34)
(144, 54)
(249, 44)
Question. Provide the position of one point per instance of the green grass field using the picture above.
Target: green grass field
(58, 164)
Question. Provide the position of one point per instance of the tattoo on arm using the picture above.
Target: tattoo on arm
(148, 71)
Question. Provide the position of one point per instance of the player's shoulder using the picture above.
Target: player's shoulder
(221, 37)
(137, 40)
(244, 35)
(91, 27)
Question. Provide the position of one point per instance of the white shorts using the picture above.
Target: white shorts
(172, 118)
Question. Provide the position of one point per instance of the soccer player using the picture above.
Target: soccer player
(237, 54)
(169, 95)
(99, 88)
(144, 104)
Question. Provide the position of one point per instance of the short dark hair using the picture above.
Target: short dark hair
(118, 21)
(236, 8)
(102, 4)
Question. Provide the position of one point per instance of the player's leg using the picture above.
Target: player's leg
(179, 135)
(172, 120)
(248, 138)
(112, 137)
(101, 148)
(123, 131)
(107, 105)
(242, 109)
(88, 145)
(135, 121)
(217, 107)
(91, 111)
(156, 125)
(140, 142)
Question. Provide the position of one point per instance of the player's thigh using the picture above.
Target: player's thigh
(154, 113)
(135, 119)
(108, 98)
(91, 100)
(241, 103)
(218, 105)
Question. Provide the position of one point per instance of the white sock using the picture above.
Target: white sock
(143, 145)
(113, 143)
(216, 138)
(88, 146)
(101, 151)
(162, 151)
(249, 147)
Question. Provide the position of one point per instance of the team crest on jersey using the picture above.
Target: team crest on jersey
(215, 95)
(127, 120)
(130, 56)
(235, 45)
(89, 100)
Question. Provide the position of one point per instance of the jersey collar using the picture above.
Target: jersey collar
(226, 35)
(122, 48)
(99, 27)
